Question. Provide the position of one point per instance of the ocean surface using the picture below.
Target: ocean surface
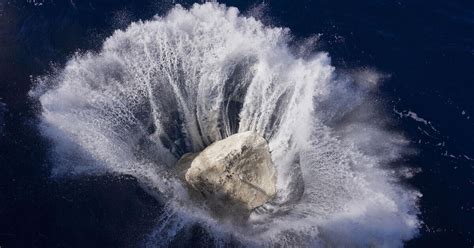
(372, 99)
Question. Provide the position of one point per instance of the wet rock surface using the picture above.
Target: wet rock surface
(233, 173)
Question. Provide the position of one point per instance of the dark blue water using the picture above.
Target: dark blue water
(427, 48)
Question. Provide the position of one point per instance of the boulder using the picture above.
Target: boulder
(236, 172)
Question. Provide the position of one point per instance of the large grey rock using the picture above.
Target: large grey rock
(236, 172)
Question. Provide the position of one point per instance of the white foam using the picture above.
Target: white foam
(162, 87)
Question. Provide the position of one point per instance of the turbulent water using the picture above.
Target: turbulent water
(177, 83)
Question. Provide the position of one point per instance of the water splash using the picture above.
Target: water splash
(177, 83)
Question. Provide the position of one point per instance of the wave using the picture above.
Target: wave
(179, 82)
